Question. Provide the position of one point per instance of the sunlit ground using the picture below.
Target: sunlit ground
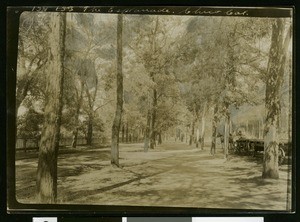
(173, 174)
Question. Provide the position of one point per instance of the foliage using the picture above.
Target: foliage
(32, 57)
(30, 124)
(192, 63)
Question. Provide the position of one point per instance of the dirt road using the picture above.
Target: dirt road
(173, 174)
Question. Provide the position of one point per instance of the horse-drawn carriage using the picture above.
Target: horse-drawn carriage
(255, 146)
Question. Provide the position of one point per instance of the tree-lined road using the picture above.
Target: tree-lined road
(173, 174)
(132, 78)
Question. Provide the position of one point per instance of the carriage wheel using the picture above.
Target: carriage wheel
(281, 156)
(252, 149)
(235, 147)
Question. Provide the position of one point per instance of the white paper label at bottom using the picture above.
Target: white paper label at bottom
(227, 219)
(44, 219)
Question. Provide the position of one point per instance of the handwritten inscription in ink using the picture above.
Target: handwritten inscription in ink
(217, 11)
(148, 10)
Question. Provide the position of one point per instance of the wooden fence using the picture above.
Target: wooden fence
(27, 144)
(32, 144)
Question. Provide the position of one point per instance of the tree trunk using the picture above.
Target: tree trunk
(277, 57)
(74, 139)
(123, 133)
(214, 131)
(186, 135)
(119, 107)
(49, 144)
(127, 133)
(198, 139)
(259, 129)
(202, 135)
(22, 91)
(192, 133)
(159, 138)
(226, 130)
(147, 132)
(153, 119)
(76, 118)
(24, 84)
(139, 135)
(89, 138)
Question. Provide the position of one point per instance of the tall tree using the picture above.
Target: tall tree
(49, 144)
(79, 97)
(89, 55)
(153, 119)
(277, 60)
(89, 69)
(32, 56)
(147, 131)
(153, 45)
(214, 130)
(119, 106)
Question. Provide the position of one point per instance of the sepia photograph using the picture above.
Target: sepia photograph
(149, 107)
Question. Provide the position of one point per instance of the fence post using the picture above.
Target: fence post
(24, 145)
(37, 144)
